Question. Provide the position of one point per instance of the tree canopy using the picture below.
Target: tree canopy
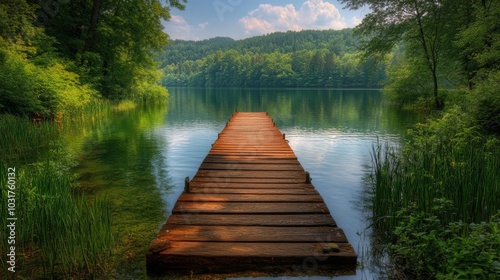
(283, 59)
(452, 43)
(59, 54)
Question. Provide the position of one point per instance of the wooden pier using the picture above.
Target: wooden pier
(250, 207)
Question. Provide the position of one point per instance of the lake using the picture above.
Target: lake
(140, 157)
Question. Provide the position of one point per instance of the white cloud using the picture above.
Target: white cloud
(313, 14)
(178, 28)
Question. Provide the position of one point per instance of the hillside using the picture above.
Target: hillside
(283, 59)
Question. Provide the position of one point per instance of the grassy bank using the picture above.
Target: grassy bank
(58, 233)
(436, 200)
(79, 217)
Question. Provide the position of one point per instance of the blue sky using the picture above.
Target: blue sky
(238, 19)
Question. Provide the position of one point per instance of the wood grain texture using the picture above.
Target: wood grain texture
(249, 207)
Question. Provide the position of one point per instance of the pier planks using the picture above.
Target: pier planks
(250, 207)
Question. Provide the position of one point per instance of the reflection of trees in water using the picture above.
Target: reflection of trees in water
(359, 110)
(121, 163)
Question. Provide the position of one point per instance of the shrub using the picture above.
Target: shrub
(27, 89)
(487, 104)
(428, 248)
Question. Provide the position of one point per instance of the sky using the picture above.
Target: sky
(239, 19)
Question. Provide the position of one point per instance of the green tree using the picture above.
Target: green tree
(292, 59)
(113, 42)
(420, 24)
(16, 22)
(479, 40)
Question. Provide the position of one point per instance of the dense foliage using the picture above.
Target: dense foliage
(436, 198)
(59, 60)
(429, 247)
(292, 59)
(444, 44)
(58, 55)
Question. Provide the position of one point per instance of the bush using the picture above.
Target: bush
(27, 89)
(428, 248)
(487, 104)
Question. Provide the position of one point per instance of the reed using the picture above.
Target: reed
(63, 235)
(22, 140)
(419, 177)
(66, 233)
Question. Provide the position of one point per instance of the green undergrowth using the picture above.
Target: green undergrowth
(428, 248)
(436, 199)
(59, 233)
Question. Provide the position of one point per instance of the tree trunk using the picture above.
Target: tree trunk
(91, 34)
(439, 104)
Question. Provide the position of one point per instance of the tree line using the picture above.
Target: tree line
(282, 59)
(56, 55)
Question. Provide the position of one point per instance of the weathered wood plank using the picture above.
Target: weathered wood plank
(251, 174)
(194, 197)
(215, 190)
(252, 220)
(283, 155)
(252, 234)
(248, 180)
(260, 184)
(251, 166)
(249, 208)
(236, 249)
(257, 157)
(199, 257)
(253, 160)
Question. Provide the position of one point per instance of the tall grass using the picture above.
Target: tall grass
(66, 233)
(22, 140)
(59, 234)
(462, 170)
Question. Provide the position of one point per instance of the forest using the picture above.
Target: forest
(309, 58)
(57, 56)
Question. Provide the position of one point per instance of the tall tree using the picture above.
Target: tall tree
(113, 41)
(418, 23)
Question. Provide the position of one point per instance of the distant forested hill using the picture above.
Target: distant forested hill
(291, 59)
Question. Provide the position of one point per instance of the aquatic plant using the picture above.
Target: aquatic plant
(435, 201)
(58, 233)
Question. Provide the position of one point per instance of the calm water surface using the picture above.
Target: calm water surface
(142, 157)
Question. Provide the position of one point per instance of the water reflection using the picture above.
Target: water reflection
(345, 110)
(122, 161)
(331, 131)
(140, 159)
